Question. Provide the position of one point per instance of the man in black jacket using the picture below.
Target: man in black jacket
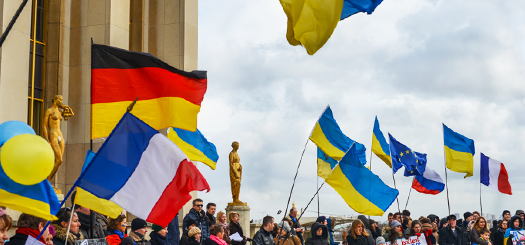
(264, 235)
(451, 234)
(210, 212)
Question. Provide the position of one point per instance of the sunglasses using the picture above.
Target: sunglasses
(64, 213)
(199, 205)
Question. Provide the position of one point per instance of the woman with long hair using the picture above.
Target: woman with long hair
(357, 235)
(479, 225)
(116, 229)
(61, 225)
(221, 219)
(500, 232)
(395, 233)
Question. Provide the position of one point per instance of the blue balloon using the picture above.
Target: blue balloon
(11, 129)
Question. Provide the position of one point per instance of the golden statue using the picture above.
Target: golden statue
(52, 119)
(235, 174)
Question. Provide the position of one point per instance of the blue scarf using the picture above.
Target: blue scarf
(294, 220)
(119, 233)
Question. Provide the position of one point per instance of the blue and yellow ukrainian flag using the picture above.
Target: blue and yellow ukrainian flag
(330, 139)
(325, 164)
(362, 190)
(39, 199)
(379, 145)
(195, 146)
(459, 152)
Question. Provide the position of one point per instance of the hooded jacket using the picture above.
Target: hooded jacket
(330, 231)
(157, 239)
(60, 236)
(316, 239)
(509, 234)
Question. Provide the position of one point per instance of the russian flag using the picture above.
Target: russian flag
(143, 172)
(429, 182)
(494, 175)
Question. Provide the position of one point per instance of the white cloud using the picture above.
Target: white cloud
(415, 64)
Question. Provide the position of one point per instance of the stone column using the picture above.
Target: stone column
(14, 62)
(244, 217)
(107, 22)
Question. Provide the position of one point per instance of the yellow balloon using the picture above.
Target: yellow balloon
(27, 159)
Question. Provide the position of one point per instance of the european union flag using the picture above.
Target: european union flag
(401, 155)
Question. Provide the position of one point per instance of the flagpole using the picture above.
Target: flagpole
(446, 177)
(480, 205)
(409, 192)
(318, 214)
(397, 198)
(296, 172)
(371, 153)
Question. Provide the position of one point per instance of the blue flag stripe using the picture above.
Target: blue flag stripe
(458, 142)
(381, 138)
(118, 157)
(197, 140)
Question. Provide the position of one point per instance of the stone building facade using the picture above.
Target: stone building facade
(48, 52)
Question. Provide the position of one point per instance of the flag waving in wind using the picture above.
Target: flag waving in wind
(429, 182)
(195, 146)
(330, 139)
(167, 97)
(362, 190)
(459, 152)
(137, 161)
(494, 175)
(402, 156)
(379, 145)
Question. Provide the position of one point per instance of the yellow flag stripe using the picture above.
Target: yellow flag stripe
(323, 168)
(461, 162)
(26, 205)
(378, 150)
(191, 152)
(159, 113)
(322, 142)
(100, 205)
(352, 197)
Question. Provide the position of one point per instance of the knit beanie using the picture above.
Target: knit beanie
(380, 240)
(505, 212)
(321, 219)
(190, 222)
(126, 241)
(156, 228)
(193, 231)
(466, 215)
(394, 224)
(284, 225)
(138, 223)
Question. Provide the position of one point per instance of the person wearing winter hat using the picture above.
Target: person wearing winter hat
(380, 241)
(468, 217)
(396, 232)
(520, 213)
(194, 236)
(139, 228)
(515, 225)
(321, 219)
(188, 223)
(158, 235)
(284, 237)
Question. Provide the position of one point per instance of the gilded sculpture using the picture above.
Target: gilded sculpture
(52, 133)
(235, 174)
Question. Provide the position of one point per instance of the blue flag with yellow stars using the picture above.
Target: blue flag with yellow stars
(402, 156)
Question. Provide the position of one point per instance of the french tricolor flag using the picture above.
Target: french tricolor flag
(494, 175)
(429, 182)
(142, 171)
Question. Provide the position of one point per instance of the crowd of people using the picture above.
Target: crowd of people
(202, 227)
(472, 230)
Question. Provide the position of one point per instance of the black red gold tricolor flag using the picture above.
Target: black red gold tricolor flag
(167, 97)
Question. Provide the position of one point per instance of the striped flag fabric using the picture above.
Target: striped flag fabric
(195, 146)
(459, 152)
(142, 171)
(379, 145)
(167, 97)
(494, 175)
(429, 182)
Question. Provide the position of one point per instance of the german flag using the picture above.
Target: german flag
(167, 97)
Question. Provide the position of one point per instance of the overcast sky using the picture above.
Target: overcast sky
(414, 63)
